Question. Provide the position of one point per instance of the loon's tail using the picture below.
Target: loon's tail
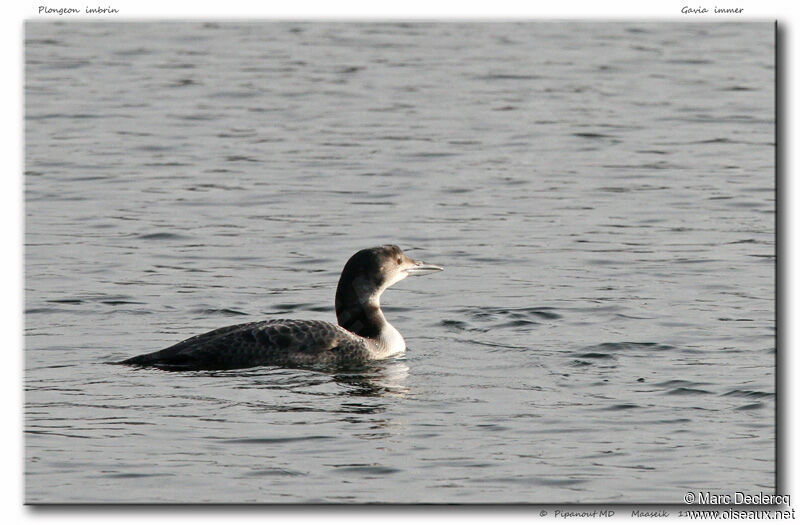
(159, 360)
(131, 361)
(137, 361)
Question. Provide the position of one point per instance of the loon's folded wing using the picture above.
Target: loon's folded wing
(276, 342)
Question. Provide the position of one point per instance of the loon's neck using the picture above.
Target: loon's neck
(358, 310)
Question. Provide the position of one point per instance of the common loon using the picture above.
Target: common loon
(363, 332)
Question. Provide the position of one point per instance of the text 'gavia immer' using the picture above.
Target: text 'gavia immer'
(363, 332)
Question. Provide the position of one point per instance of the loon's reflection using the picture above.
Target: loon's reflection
(373, 379)
(382, 378)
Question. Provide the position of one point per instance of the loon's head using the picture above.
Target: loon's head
(371, 271)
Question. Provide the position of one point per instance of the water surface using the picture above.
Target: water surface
(601, 195)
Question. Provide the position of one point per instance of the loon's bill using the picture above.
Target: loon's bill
(362, 333)
(423, 268)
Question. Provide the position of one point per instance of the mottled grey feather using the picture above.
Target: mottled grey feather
(280, 342)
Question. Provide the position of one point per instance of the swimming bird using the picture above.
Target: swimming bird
(363, 333)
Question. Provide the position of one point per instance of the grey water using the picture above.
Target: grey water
(601, 196)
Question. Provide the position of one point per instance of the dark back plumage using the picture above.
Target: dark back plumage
(281, 342)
